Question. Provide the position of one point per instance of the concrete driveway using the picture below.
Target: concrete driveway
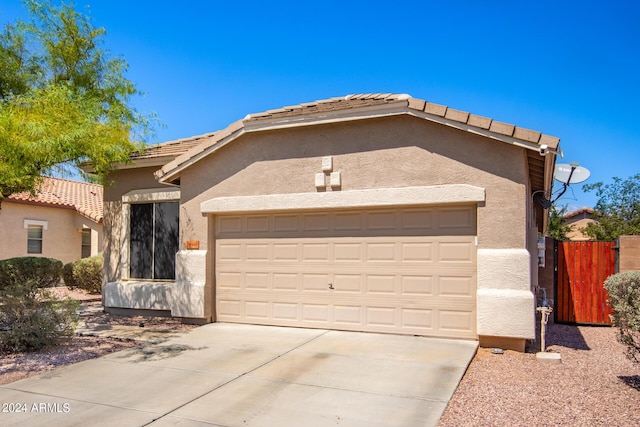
(244, 375)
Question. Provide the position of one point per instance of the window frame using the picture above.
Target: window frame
(85, 248)
(31, 224)
(152, 195)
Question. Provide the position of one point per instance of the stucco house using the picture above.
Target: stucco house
(62, 221)
(379, 213)
(579, 219)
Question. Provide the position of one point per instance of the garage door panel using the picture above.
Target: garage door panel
(381, 317)
(315, 282)
(417, 319)
(456, 320)
(287, 282)
(257, 224)
(347, 283)
(285, 312)
(229, 280)
(283, 252)
(382, 220)
(381, 252)
(417, 252)
(347, 252)
(457, 286)
(229, 252)
(316, 313)
(348, 315)
(418, 285)
(456, 253)
(256, 310)
(391, 270)
(314, 252)
(378, 284)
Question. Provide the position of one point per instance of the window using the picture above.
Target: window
(154, 229)
(34, 239)
(86, 242)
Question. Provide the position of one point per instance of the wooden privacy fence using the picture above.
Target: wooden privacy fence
(581, 269)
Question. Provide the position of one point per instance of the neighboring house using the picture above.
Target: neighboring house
(379, 213)
(62, 221)
(578, 220)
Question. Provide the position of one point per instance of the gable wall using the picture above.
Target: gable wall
(376, 153)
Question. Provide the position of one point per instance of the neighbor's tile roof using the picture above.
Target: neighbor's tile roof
(84, 197)
(582, 210)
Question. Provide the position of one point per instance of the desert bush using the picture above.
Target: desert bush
(42, 272)
(31, 318)
(86, 274)
(624, 299)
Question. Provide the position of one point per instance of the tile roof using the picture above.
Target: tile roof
(360, 103)
(171, 148)
(368, 100)
(582, 210)
(83, 197)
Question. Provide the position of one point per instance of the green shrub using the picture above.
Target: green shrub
(43, 272)
(624, 299)
(67, 276)
(31, 318)
(86, 274)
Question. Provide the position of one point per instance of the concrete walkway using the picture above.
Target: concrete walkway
(231, 375)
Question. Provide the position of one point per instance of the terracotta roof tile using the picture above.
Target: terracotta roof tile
(84, 197)
(191, 148)
(171, 148)
(326, 105)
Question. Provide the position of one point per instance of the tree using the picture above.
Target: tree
(617, 211)
(556, 227)
(64, 101)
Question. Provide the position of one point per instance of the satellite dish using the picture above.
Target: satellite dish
(571, 173)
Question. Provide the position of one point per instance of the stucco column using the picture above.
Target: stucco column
(188, 295)
(506, 305)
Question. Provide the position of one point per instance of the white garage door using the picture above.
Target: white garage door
(408, 271)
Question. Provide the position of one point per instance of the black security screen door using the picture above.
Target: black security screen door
(154, 240)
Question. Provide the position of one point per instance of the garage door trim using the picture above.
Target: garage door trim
(369, 198)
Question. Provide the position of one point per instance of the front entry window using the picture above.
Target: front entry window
(154, 240)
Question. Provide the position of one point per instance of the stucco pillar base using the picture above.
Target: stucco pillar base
(506, 305)
(188, 292)
(515, 344)
(137, 295)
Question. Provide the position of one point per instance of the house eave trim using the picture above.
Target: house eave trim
(369, 198)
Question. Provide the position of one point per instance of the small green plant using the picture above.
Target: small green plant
(85, 274)
(624, 299)
(31, 318)
(43, 272)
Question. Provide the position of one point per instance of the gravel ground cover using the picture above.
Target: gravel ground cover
(595, 385)
(17, 366)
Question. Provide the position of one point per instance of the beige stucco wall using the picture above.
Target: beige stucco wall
(629, 255)
(382, 153)
(575, 233)
(62, 240)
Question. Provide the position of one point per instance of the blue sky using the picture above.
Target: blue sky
(565, 68)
